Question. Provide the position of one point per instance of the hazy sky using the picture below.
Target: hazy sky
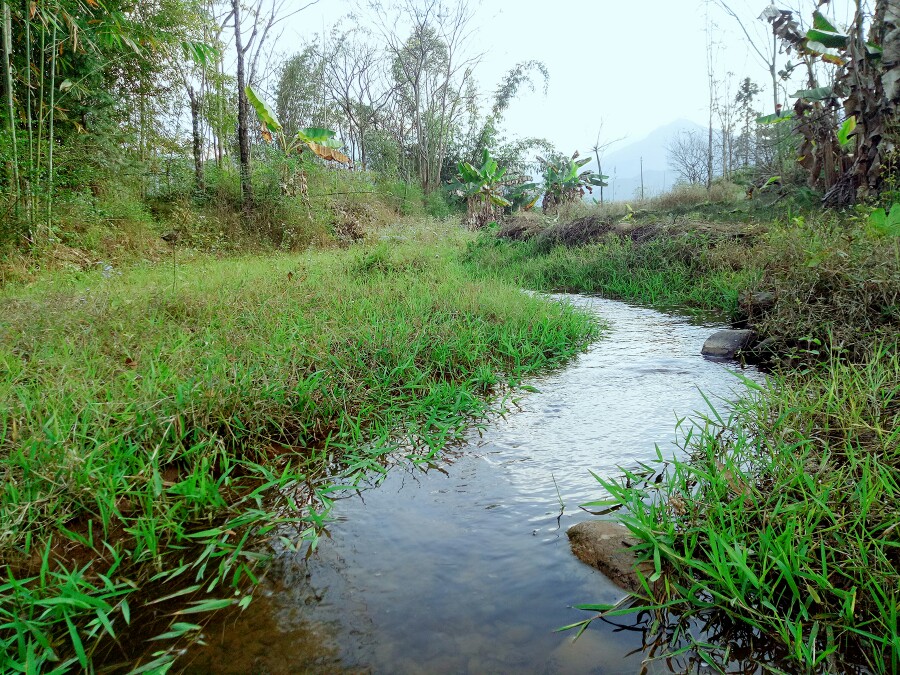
(635, 65)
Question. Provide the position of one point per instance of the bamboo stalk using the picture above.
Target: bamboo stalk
(29, 184)
(10, 107)
(40, 138)
(50, 137)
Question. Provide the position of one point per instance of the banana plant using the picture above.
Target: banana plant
(866, 85)
(319, 141)
(482, 189)
(563, 182)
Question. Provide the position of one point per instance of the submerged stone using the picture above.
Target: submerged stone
(606, 545)
(727, 343)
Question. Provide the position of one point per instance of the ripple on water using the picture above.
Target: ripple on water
(468, 569)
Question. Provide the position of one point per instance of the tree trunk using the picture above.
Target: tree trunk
(197, 140)
(243, 113)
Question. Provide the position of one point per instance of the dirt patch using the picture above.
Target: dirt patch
(577, 233)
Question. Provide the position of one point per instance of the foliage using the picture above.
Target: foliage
(562, 181)
(886, 222)
(482, 188)
(867, 87)
(71, 65)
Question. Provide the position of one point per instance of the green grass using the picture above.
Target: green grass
(156, 431)
(785, 516)
(664, 272)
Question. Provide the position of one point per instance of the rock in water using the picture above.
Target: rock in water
(727, 343)
(606, 545)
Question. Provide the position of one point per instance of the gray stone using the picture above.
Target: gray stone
(758, 303)
(766, 350)
(606, 545)
(727, 343)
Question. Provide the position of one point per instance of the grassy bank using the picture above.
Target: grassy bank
(682, 271)
(835, 282)
(155, 426)
(118, 222)
(783, 515)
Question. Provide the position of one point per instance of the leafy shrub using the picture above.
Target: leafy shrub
(437, 205)
(406, 198)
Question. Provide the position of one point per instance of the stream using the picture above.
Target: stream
(465, 567)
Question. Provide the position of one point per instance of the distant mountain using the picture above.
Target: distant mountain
(623, 165)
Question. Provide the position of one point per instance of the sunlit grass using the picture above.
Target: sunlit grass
(156, 427)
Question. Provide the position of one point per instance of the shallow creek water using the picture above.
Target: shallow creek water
(465, 567)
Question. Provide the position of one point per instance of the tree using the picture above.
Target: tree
(726, 112)
(264, 15)
(356, 81)
(687, 154)
(522, 74)
(299, 95)
(564, 182)
(743, 99)
(764, 46)
(599, 149)
(430, 68)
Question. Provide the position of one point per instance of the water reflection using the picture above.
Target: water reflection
(467, 569)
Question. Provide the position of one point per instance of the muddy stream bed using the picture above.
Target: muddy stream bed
(465, 567)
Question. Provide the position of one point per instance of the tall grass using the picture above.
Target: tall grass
(157, 428)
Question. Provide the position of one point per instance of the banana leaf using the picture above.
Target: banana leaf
(831, 39)
(266, 116)
(326, 152)
(817, 94)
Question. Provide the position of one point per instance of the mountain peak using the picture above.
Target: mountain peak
(623, 165)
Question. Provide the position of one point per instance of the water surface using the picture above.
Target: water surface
(465, 567)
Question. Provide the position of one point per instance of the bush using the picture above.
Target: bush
(437, 205)
(406, 198)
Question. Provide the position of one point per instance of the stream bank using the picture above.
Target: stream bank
(465, 566)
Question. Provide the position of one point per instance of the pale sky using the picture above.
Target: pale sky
(635, 65)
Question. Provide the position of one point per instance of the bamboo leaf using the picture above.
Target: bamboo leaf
(210, 605)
